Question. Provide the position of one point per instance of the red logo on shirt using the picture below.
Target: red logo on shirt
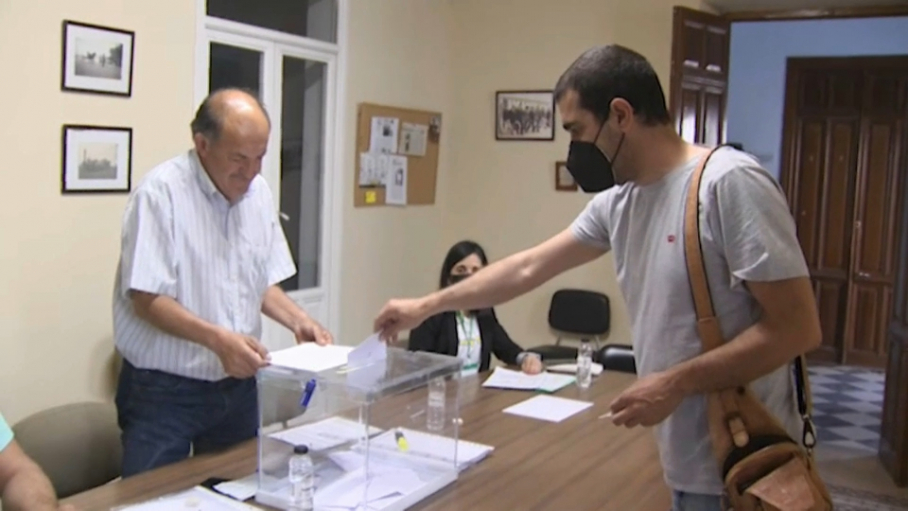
(671, 238)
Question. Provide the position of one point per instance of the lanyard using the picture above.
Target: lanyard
(470, 337)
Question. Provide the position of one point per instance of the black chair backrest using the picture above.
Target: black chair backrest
(618, 357)
(581, 312)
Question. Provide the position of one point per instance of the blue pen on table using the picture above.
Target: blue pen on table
(307, 394)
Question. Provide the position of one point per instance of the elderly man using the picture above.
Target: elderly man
(23, 486)
(624, 146)
(201, 258)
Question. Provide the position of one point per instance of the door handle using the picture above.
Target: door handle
(863, 274)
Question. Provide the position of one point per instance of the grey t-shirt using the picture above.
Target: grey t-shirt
(747, 234)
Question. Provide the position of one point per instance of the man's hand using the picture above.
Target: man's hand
(649, 401)
(311, 331)
(242, 356)
(397, 315)
(531, 364)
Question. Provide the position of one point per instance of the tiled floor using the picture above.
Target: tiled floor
(847, 404)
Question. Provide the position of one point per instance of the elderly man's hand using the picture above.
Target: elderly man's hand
(241, 355)
(311, 331)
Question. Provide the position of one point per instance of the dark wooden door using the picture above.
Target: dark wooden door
(893, 438)
(699, 75)
(843, 136)
(876, 213)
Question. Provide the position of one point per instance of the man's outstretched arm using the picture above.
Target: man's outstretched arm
(497, 283)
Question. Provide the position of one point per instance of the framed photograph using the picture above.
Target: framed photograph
(97, 59)
(564, 181)
(96, 159)
(525, 115)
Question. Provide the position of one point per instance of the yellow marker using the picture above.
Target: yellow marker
(401, 441)
(370, 197)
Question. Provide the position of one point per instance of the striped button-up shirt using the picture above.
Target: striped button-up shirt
(181, 238)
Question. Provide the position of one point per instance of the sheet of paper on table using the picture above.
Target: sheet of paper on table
(193, 499)
(324, 434)
(383, 486)
(548, 408)
(311, 357)
(503, 378)
(434, 446)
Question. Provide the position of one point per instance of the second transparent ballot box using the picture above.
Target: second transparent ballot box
(381, 434)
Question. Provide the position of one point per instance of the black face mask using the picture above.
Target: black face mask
(591, 169)
(455, 279)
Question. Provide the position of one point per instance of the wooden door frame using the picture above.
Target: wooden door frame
(787, 178)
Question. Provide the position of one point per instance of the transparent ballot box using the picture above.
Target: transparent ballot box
(381, 434)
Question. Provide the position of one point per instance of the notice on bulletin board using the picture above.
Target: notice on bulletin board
(413, 138)
(384, 135)
(396, 184)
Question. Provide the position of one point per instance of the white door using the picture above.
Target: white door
(296, 83)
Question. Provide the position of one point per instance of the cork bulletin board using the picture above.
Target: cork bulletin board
(396, 150)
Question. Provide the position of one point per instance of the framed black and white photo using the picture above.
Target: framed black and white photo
(97, 59)
(96, 159)
(525, 115)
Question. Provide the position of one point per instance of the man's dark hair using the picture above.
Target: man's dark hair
(604, 73)
(208, 118)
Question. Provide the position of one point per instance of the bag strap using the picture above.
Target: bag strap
(708, 325)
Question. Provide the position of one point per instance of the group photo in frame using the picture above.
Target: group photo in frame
(96, 159)
(97, 59)
(525, 115)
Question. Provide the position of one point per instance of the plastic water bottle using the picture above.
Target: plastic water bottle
(584, 365)
(435, 412)
(302, 480)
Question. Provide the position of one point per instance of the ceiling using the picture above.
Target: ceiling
(788, 5)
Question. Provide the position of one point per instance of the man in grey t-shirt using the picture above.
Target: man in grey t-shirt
(623, 145)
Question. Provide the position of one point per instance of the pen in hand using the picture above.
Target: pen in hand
(607, 415)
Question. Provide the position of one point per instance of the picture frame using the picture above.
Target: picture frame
(97, 59)
(96, 159)
(564, 181)
(525, 115)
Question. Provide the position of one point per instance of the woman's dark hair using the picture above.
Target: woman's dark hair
(460, 251)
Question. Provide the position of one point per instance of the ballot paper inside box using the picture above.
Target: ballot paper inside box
(366, 423)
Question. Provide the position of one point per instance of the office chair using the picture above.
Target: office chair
(76, 445)
(578, 314)
(618, 357)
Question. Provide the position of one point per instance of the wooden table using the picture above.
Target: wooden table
(581, 463)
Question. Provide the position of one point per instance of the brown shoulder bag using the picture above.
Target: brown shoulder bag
(762, 467)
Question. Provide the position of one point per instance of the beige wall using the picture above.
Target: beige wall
(58, 254)
(392, 251)
(502, 194)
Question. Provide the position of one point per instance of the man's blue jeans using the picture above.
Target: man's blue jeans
(682, 501)
(163, 415)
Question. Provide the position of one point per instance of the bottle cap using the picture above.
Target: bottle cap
(300, 449)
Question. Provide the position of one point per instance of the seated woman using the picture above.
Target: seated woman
(470, 335)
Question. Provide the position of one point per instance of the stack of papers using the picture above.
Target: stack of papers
(324, 434)
(311, 357)
(435, 446)
(548, 408)
(503, 378)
